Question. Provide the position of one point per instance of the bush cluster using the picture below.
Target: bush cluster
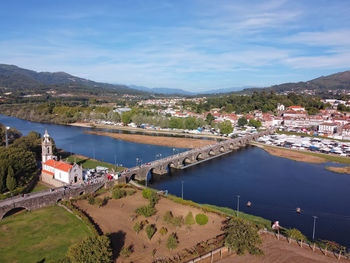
(145, 211)
(169, 218)
(189, 219)
(172, 241)
(151, 195)
(150, 231)
(201, 219)
(118, 193)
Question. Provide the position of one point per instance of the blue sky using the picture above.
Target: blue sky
(193, 45)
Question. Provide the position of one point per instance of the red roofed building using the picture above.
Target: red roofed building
(62, 172)
(57, 173)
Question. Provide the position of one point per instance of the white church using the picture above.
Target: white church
(57, 173)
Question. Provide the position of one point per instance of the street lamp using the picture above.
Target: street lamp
(313, 231)
(182, 190)
(6, 136)
(238, 204)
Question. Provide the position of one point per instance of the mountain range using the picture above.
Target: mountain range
(22, 81)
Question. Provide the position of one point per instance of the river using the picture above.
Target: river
(275, 186)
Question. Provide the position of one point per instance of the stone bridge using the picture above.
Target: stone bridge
(191, 157)
(46, 198)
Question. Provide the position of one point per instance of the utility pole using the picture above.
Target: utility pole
(313, 231)
(238, 204)
(6, 136)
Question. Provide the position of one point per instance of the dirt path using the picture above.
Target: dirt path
(281, 252)
(157, 140)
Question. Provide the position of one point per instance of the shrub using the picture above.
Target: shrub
(189, 219)
(168, 216)
(177, 221)
(91, 200)
(118, 193)
(146, 210)
(163, 231)
(201, 219)
(241, 236)
(99, 201)
(170, 219)
(146, 192)
(151, 195)
(138, 227)
(126, 251)
(172, 241)
(150, 231)
(91, 249)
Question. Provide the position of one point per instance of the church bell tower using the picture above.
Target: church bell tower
(46, 148)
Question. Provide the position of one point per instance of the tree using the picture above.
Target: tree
(172, 241)
(241, 236)
(10, 180)
(242, 121)
(91, 250)
(225, 127)
(3, 175)
(210, 118)
(126, 117)
(191, 123)
(254, 123)
(296, 234)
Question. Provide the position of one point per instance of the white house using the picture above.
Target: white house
(54, 172)
(62, 172)
(328, 128)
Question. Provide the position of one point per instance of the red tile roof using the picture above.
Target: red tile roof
(47, 172)
(59, 165)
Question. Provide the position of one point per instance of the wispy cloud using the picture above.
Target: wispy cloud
(192, 45)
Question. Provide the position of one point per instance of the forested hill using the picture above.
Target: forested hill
(19, 80)
(322, 85)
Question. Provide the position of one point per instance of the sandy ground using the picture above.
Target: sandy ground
(342, 170)
(281, 252)
(157, 140)
(115, 218)
(127, 128)
(293, 155)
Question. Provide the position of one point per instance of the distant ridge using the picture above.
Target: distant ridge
(21, 80)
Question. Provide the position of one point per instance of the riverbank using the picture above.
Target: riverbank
(302, 156)
(157, 140)
(132, 129)
(341, 170)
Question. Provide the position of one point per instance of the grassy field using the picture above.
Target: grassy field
(91, 163)
(254, 219)
(39, 187)
(42, 235)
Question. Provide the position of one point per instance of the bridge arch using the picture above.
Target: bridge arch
(186, 161)
(200, 157)
(222, 149)
(211, 153)
(13, 211)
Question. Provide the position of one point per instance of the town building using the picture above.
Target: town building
(57, 173)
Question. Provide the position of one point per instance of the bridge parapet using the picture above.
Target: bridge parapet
(192, 156)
